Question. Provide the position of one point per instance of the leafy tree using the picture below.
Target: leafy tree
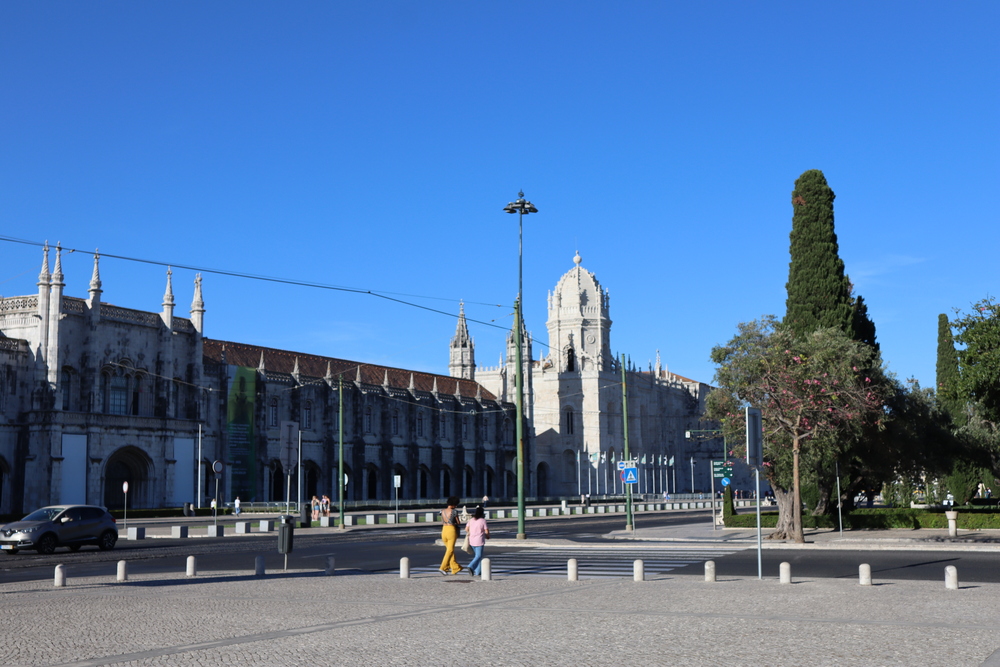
(979, 361)
(819, 294)
(947, 373)
(806, 386)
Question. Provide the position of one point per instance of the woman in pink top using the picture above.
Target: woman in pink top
(478, 533)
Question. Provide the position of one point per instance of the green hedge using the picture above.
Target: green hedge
(878, 519)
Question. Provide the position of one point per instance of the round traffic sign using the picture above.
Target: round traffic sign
(725, 481)
(124, 487)
(217, 467)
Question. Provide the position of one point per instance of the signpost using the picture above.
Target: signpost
(125, 518)
(289, 435)
(217, 468)
(755, 459)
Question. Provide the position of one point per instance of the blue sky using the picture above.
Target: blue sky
(374, 144)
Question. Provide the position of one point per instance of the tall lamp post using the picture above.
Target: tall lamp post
(521, 207)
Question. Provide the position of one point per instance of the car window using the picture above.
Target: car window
(74, 514)
(93, 513)
(44, 514)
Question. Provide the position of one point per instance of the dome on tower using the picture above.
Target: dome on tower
(580, 291)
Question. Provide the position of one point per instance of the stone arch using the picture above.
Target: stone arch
(310, 480)
(371, 482)
(469, 476)
(542, 479)
(128, 464)
(423, 482)
(445, 481)
(276, 481)
(490, 481)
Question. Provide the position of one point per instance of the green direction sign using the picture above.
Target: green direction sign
(722, 469)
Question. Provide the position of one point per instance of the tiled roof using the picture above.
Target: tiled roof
(314, 366)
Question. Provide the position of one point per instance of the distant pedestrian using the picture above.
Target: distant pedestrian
(449, 535)
(214, 504)
(324, 505)
(236, 506)
(314, 503)
(478, 533)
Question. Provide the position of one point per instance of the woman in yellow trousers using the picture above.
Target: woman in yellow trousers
(449, 535)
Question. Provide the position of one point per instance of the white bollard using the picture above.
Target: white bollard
(951, 578)
(865, 574)
(785, 573)
(952, 517)
(331, 563)
(486, 569)
(571, 570)
(710, 570)
(192, 566)
(404, 568)
(122, 571)
(258, 566)
(638, 571)
(60, 576)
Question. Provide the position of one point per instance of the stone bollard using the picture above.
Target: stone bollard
(785, 573)
(710, 571)
(952, 517)
(571, 570)
(60, 580)
(865, 574)
(331, 564)
(258, 566)
(950, 578)
(266, 525)
(404, 568)
(122, 571)
(136, 533)
(486, 569)
(179, 532)
(192, 566)
(638, 570)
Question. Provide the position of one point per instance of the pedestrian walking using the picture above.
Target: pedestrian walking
(478, 533)
(449, 535)
(324, 505)
(236, 506)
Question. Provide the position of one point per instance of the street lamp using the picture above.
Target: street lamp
(521, 207)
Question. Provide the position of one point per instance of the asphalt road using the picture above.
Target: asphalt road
(379, 550)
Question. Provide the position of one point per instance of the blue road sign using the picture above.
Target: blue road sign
(725, 481)
(630, 476)
(621, 465)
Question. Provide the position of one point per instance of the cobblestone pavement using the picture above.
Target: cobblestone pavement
(306, 618)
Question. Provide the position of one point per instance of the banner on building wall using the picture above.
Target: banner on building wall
(240, 433)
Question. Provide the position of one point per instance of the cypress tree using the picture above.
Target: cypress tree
(819, 294)
(947, 372)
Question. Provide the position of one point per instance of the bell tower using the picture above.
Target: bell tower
(462, 363)
(579, 323)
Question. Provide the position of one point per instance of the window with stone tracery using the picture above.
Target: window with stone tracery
(272, 413)
(307, 415)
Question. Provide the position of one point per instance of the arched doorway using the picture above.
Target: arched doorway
(311, 480)
(132, 465)
(276, 486)
(424, 475)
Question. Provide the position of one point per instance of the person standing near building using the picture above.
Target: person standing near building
(449, 535)
(478, 534)
(236, 506)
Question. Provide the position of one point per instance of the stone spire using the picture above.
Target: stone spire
(385, 378)
(659, 364)
(329, 373)
(198, 307)
(44, 276)
(55, 308)
(168, 301)
(95, 279)
(295, 369)
(260, 365)
(413, 385)
(44, 289)
(462, 363)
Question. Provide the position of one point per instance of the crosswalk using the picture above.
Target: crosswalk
(594, 563)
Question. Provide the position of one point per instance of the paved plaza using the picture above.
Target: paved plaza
(350, 618)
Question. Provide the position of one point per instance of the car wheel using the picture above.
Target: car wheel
(47, 544)
(74, 547)
(107, 541)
